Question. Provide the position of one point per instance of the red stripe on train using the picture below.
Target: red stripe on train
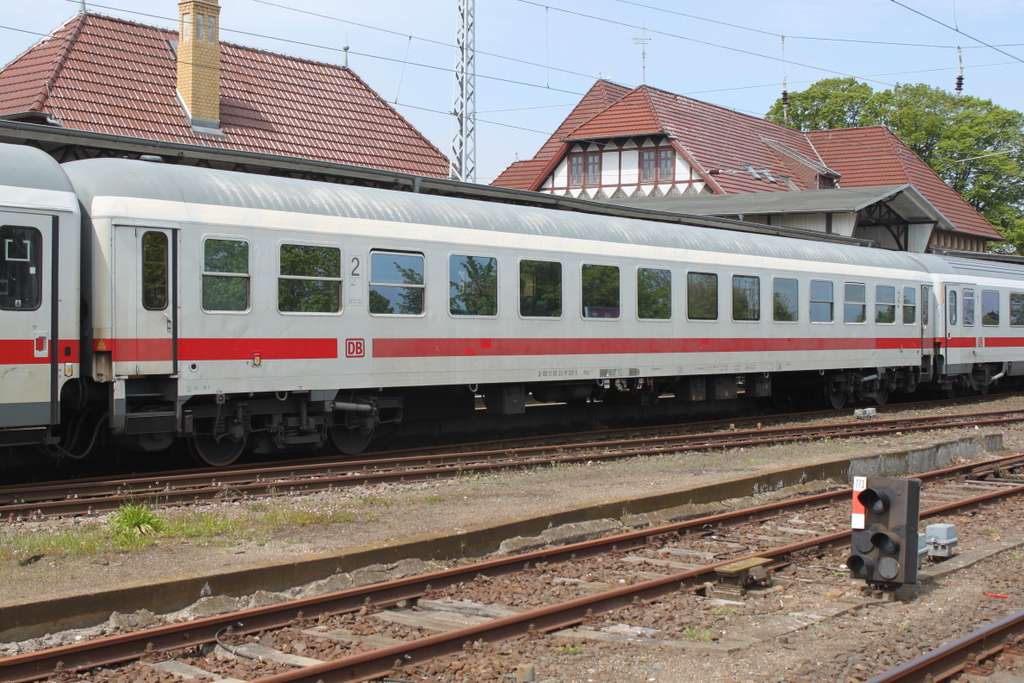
(423, 348)
(144, 350)
(22, 352)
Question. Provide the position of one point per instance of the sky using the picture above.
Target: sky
(536, 58)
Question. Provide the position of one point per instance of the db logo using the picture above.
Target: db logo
(355, 348)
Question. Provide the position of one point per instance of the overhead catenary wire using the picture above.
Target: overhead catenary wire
(957, 30)
(770, 33)
(696, 40)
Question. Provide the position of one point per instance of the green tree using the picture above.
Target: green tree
(976, 146)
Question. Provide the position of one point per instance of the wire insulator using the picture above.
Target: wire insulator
(959, 84)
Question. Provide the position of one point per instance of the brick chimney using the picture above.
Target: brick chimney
(199, 63)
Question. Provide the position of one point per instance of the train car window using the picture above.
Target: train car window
(653, 294)
(746, 297)
(910, 305)
(785, 300)
(225, 275)
(540, 289)
(952, 307)
(855, 303)
(21, 268)
(989, 308)
(885, 304)
(1016, 309)
(154, 271)
(310, 279)
(600, 291)
(968, 302)
(396, 283)
(702, 296)
(822, 301)
(472, 285)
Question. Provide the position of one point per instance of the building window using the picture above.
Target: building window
(600, 287)
(310, 279)
(990, 308)
(396, 283)
(666, 165)
(540, 289)
(653, 294)
(21, 272)
(909, 305)
(657, 165)
(473, 285)
(968, 300)
(746, 297)
(822, 301)
(885, 304)
(576, 170)
(585, 169)
(855, 303)
(785, 306)
(702, 296)
(225, 275)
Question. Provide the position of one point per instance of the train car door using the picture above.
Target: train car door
(927, 321)
(28, 320)
(953, 339)
(146, 296)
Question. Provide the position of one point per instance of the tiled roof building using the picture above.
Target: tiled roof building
(101, 74)
(620, 144)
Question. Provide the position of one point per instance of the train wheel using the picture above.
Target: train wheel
(209, 451)
(882, 397)
(834, 398)
(349, 441)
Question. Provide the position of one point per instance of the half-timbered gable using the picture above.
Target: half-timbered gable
(645, 143)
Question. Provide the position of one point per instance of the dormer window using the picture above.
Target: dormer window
(585, 169)
(657, 165)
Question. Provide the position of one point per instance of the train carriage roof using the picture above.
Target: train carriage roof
(148, 180)
(31, 168)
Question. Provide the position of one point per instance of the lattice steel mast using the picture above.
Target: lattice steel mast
(463, 162)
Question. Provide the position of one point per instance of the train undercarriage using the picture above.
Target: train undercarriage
(219, 428)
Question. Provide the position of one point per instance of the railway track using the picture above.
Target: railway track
(396, 628)
(976, 653)
(85, 497)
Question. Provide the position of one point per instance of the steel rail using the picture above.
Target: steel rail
(950, 659)
(282, 480)
(370, 665)
(37, 665)
(432, 455)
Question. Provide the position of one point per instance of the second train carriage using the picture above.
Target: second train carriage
(239, 310)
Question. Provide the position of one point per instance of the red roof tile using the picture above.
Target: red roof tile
(520, 175)
(108, 75)
(875, 156)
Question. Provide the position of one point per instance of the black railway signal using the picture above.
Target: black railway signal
(884, 540)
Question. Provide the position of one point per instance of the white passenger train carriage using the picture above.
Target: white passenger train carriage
(235, 310)
(39, 293)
